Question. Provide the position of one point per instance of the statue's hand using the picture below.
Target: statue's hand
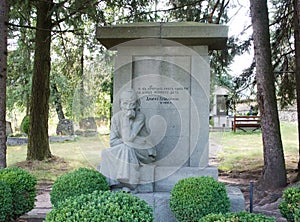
(125, 120)
(130, 114)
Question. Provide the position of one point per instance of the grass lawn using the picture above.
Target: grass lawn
(83, 152)
(240, 152)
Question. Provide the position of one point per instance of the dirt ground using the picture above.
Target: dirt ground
(264, 201)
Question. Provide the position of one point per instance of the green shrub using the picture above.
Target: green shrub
(290, 201)
(5, 202)
(297, 214)
(236, 217)
(80, 181)
(102, 206)
(23, 190)
(195, 197)
(25, 124)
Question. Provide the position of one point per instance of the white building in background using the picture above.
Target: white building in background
(220, 114)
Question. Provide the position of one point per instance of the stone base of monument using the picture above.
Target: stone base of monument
(162, 178)
(160, 201)
(158, 181)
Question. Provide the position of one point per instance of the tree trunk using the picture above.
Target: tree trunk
(274, 172)
(82, 91)
(57, 102)
(38, 141)
(3, 65)
(297, 71)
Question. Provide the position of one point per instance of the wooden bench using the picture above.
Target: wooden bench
(246, 122)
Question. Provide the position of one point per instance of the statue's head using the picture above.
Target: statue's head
(129, 102)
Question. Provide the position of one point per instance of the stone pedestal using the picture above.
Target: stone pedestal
(167, 64)
(160, 201)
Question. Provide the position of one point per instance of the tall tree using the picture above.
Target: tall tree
(20, 57)
(274, 172)
(67, 14)
(296, 4)
(38, 143)
(3, 65)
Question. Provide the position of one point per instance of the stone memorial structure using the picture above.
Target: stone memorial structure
(130, 145)
(65, 127)
(88, 123)
(167, 65)
(87, 127)
(8, 128)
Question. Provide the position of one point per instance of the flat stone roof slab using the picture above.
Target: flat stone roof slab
(186, 33)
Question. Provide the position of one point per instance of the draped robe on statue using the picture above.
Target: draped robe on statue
(130, 147)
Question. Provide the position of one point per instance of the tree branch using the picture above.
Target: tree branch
(75, 31)
(77, 10)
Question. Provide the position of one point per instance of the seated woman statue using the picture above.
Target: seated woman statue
(130, 145)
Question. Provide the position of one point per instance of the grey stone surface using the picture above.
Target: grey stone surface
(167, 177)
(237, 200)
(146, 179)
(88, 124)
(187, 33)
(15, 141)
(172, 82)
(65, 127)
(8, 128)
(130, 147)
(162, 211)
(160, 201)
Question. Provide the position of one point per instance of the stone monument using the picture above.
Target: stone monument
(65, 127)
(130, 145)
(167, 65)
(8, 128)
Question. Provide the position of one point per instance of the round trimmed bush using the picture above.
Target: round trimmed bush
(23, 190)
(236, 217)
(196, 197)
(25, 124)
(80, 181)
(297, 214)
(102, 206)
(290, 202)
(5, 202)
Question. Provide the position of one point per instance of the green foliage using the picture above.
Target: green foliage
(75, 183)
(236, 217)
(22, 185)
(5, 202)
(195, 197)
(289, 203)
(102, 206)
(297, 214)
(283, 51)
(25, 124)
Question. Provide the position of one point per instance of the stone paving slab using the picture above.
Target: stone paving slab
(42, 207)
